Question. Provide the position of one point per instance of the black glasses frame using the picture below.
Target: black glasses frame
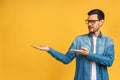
(91, 21)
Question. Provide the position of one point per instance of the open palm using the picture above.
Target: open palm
(41, 47)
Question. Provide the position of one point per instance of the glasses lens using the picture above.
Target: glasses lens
(90, 21)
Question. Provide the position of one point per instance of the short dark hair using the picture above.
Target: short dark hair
(98, 12)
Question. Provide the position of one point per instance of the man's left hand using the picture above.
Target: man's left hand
(82, 51)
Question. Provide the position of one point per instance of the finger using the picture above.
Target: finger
(42, 45)
(83, 48)
(35, 46)
(73, 50)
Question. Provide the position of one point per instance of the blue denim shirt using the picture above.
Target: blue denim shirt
(103, 58)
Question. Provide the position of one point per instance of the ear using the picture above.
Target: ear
(101, 22)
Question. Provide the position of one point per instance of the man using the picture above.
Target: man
(94, 52)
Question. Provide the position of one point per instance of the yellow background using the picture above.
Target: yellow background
(53, 22)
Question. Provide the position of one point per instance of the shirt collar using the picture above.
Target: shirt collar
(99, 36)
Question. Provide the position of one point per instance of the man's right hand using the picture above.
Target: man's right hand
(41, 47)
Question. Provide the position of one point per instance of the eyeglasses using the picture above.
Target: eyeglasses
(91, 21)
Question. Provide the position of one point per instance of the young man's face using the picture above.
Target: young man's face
(94, 23)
